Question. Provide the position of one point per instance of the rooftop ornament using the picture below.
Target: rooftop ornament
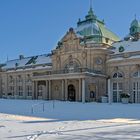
(121, 49)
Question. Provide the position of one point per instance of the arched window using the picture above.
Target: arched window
(19, 78)
(136, 87)
(136, 74)
(72, 65)
(28, 78)
(117, 86)
(118, 75)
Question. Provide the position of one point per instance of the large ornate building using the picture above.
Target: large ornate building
(79, 68)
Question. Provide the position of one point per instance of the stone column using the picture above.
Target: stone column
(83, 90)
(50, 90)
(16, 86)
(6, 85)
(46, 91)
(63, 97)
(80, 90)
(33, 89)
(24, 87)
(66, 90)
(136, 95)
(0, 87)
(36, 90)
(109, 91)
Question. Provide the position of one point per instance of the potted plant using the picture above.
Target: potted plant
(104, 99)
(125, 98)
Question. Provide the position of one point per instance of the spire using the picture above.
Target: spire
(90, 9)
(135, 16)
(135, 26)
(91, 14)
(90, 4)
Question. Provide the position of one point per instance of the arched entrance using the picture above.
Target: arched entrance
(71, 93)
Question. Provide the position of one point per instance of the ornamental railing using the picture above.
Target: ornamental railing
(67, 71)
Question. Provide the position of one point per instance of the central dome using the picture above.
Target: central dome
(94, 30)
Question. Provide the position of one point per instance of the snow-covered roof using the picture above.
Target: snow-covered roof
(120, 58)
(128, 46)
(28, 61)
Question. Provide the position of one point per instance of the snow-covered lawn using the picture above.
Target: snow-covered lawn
(68, 121)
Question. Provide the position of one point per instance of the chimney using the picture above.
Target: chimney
(21, 57)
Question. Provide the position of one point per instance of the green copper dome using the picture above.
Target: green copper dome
(95, 30)
(135, 23)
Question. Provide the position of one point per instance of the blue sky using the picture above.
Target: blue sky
(32, 27)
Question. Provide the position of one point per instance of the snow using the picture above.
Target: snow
(86, 26)
(41, 59)
(68, 120)
(122, 58)
(129, 46)
(31, 69)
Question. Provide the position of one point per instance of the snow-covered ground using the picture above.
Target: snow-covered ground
(68, 121)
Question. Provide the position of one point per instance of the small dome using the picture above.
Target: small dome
(135, 27)
(135, 23)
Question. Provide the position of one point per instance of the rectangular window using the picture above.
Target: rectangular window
(11, 91)
(20, 90)
(114, 86)
(117, 90)
(29, 90)
(136, 92)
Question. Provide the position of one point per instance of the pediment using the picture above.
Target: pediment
(70, 36)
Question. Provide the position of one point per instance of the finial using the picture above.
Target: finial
(135, 16)
(90, 4)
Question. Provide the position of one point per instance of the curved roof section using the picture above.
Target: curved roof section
(107, 33)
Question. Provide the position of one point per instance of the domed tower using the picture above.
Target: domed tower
(135, 29)
(94, 30)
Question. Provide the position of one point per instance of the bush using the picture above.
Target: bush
(125, 95)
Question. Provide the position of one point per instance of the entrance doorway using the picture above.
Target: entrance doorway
(71, 93)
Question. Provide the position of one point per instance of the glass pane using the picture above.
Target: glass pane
(119, 98)
(119, 75)
(120, 85)
(114, 96)
(114, 86)
(134, 86)
(115, 75)
(135, 74)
